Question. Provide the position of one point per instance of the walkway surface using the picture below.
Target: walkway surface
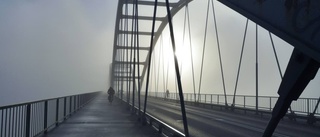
(99, 118)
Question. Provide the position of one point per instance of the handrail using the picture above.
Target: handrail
(304, 106)
(13, 105)
(161, 125)
(37, 117)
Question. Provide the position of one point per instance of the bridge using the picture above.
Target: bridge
(172, 75)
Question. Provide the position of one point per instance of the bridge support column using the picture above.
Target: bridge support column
(300, 71)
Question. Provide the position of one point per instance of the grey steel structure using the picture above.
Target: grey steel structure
(119, 46)
(296, 22)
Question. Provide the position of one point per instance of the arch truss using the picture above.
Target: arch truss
(295, 21)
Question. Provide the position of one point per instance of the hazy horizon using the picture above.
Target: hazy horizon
(58, 48)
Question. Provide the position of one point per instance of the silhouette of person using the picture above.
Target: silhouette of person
(111, 93)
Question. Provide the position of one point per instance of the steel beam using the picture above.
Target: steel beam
(143, 17)
(296, 22)
(129, 48)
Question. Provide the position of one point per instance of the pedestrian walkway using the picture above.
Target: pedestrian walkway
(99, 118)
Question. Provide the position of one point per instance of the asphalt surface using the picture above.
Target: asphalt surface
(102, 119)
(99, 118)
(204, 122)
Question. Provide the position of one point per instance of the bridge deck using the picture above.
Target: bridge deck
(99, 118)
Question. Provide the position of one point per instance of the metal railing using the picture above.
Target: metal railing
(304, 106)
(156, 123)
(34, 118)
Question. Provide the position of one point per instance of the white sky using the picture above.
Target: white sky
(54, 48)
(57, 48)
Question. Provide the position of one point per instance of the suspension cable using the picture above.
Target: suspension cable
(275, 54)
(131, 50)
(122, 64)
(277, 60)
(190, 44)
(159, 57)
(257, 71)
(120, 59)
(155, 72)
(183, 36)
(127, 51)
(219, 51)
(240, 62)
(163, 74)
(203, 50)
(183, 111)
(167, 67)
(125, 44)
(138, 56)
(150, 55)
(162, 63)
(183, 39)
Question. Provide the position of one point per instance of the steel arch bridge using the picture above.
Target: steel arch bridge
(296, 22)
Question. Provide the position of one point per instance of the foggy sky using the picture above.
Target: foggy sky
(58, 48)
(231, 27)
(54, 48)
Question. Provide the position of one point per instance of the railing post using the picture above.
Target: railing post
(270, 103)
(79, 104)
(218, 99)
(244, 101)
(28, 120)
(65, 108)
(57, 112)
(308, 111)
(74, 103)
(205, 98)
(45, 118)
(70, 105)
(211, 98)
(187, 96)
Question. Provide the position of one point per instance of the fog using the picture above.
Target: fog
(231, 26)
(58, 48)
(54, 48)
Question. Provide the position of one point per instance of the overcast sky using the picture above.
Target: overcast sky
(54, 48)
(231, 27)
(57, 48)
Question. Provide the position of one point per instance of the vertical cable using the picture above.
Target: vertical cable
(122, 61)
(167, 67)
(190, 44)
(257, 71)
(157, 89)
(138, 55)
(275, 55)
(163, 68)
(155, 72)
(131, 50)
(119, 58)
(161, 62)
(183, 111)
(203, 50)
(134, 31)
(239, 67)
(277, 60)
(127, 51)
(149, 60)
(220, 58)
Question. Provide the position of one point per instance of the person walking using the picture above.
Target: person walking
(111, 94)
